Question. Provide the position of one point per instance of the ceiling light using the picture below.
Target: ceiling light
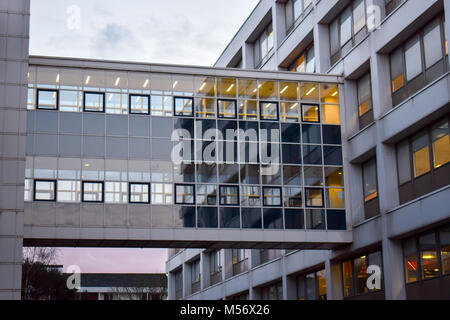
(117, 81)
(428, 256)
(310, 91)
(284, 89)
(86, 164)
(57, 77)
(231, 87)
(88, 78)
(145, 83)
(203, 85)
(334, 94)
(138, 98)
(175, 84)
(294, 105)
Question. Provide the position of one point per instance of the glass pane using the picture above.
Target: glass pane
(139, 193)
(205, 108)
(321, 284)
(268, 89)
(397, 70)
(334, 36)
(269, 110)
(444, 237)
(370, 180)
(290, 112)
(333, 177)
(94, 101)
(272, 196)
(410, 258)
(93, 191)
(441, 144)
(310, 60)
(229, 195)
(315, 219)
(250, 196)
(329, 93)
(293, 197)
(247, 89)
(403, 162)
(347, 276)
(139, 104)
(432, 44)
(421, 156)
(310, 281)
(413, 58)
(309, 91)
(359, 16)
(289, 91)
(310, 113)
(248, 110)
(184, 194)
(364, 94)
(335, 198)
(226, 87)
(44, 190)
(346, 26)
(313, 197)
(183, 106)
(68, 100)
(206, 86)
(227, 108)
(47, 99)
(428, 255)
(293, 218)
(361, 274)
(330, 114)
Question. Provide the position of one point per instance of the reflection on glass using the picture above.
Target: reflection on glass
(347, 275)
(205, 108)
(310, 113)
(250, 196)
(421, 156)
(94, 102)
(290, 112)
(227, 108)
(248, 110)
(47, 99)
(269, 110)
(183, 106)
(313, 197)
(441, 144)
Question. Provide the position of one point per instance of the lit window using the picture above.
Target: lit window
(364, 95)
(370, 180)
(183, 106)
(309, 91)
(428, 256)
(313, 197)
(444, 237)
(441, 144)
(330, 114)
(139, 104)
(310, 112)
(205, 108)
(269, 110)
(227, 108)
(335, 197)
(92, 191)
(184, 194)
(421, 155)
(229, 195)
(397, 70)
(410, 259)
(47, 99)
(347, 275)
(44, 190)
(360, 265)
(290, 112)
(272, 196)
(139, 192)
(93, 101)
(359, 16)
(248, 110)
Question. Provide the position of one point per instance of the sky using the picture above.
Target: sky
(193, 32)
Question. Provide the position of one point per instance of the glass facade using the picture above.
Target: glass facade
(187, 151)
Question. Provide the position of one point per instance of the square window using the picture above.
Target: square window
(139, 192)
(47, 99)
(313, 197)
(44, 190)
(251, 218)
(139, 104)
(312, 154)
(310, 112)
(293, 197)
(226, 108)
(268, 110)
(205, 108)
(92, 191)
(315, 219)
(206, 194)
(250, 196)
(272, 196)
(184, 194)
(230, 218)
(273, 218)
(294, 219)
(207, 217)
(248, 110)
(183, 106)
(336, 220)
(229, 195)
(93, 101)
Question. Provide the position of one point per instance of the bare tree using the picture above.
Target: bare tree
(140, 293)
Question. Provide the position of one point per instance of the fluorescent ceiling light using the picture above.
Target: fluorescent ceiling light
(203, 85)
(145, 83)
(57, 77)
(117, 81)
(310, 91)
(175, 84)
(88, 78)
(294, 105)
(284, 89)
(334, 94)
(231, 87)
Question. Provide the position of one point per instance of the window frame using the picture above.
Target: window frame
(175, 114)
(134, 95)
(237, 195)
(367, 117)
(318, 111)
(47, 90)
(97, 93)
(219, 116)
(261, 102)
(102, 183)
(264, 203)
(139, 183)
(184, 185)
(323, 197)
(55, 191)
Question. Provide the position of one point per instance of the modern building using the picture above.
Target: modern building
(122, 286)
(393, 57)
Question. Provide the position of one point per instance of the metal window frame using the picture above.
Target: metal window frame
(102, 183)
(175, 98)
(53, 181)
(185, 185)
(261, 102)
(323, 198)
(38, 90)
(264, 198)
(220, 194)
(132, 95)
(97, 93)
(139, 183)
(218, 110)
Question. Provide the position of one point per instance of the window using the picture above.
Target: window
(421, 154)
(93, 101)
(370, 180)
(92, 191)
(419, 61)
(178, 275)
(161, 105)
(314, 197)
(139, 192)
(403, 164)
(310, 112)
(410, 260)
(391, 5)
(239, 260)
(206, 194)
(215, 267)
(139, 104)
(44, 190)
(272, 196)
(184, 194)
(226, 108)
(295, 9)
(263, 45)
(161, 193)
(347, 29)
(272, 292)
(250, 196)
(229, 195)
(365, 101)
(115, 192)
(183, 106)
(68, 191)
(312, 286)
(440, 144)
(305, 62)
(269, 110)
(47, 99)
(428, 256)
(293, 197)
(248, 110)
(205, 108)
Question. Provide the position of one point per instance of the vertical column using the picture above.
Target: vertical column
(186, 279)
(204, 270)
(321, 47)
(248, 61)
(14, 39)
(171, 286)
(334, 281)
(279, 27)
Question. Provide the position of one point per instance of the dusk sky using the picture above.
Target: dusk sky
(191, 32)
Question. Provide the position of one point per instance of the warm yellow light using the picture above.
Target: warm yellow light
(259, 86)
(294, 105)
(284, 89)
(334, 94)
(117, 81)
(310, 91)
(175, 84)
(28, 74)
(88, 78)
(231, 87)
(203, 85)
(86, 164)
(57, 77)
(428, 256)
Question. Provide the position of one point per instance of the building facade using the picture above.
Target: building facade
(393, 56)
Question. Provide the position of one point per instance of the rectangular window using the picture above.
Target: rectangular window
(92, 191)
(334, 37)
(413, 58)
(410, 260)
(248, 110)
(195, 271)
(314, 197)
(139, 104)
(428, 256)
(359, 16)
(364, 95)
(161, 193)
(183, 106)
(44, 190)
(444, 239)
(93, 101)
(250, 196)
(310, 112)
(440, 144)
(184, 194)
(226, 108)
(360, 265)
(68, 100)
(293, 197)
(432, 43)
(47, 99)
(68, 191)
(115, 192)
(206, 194)
(397, 70)
(269, 110)
(421, 154)
(263, 45)
(347, 276)
(403, 162)
(229, 195)
(346, 26)
(139, 192)
(161, 105)
(272, 196)
(205, 108)
(370, 180)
